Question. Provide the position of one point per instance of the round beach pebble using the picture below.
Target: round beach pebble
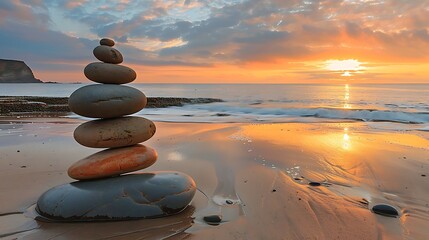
(385, 210)
(113, 133)
(106, 101)
(108, 54)
(213, 219)
(127, 197)
(109, 73)
(112, 162)
(107, 42)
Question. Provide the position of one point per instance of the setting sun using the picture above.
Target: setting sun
(344, 65)
(347, 66)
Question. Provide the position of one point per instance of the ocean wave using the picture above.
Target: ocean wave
(222, 113)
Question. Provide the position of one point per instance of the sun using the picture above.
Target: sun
(347, 67)
(343, 65)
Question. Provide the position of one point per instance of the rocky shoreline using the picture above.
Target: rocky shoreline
(58, 106)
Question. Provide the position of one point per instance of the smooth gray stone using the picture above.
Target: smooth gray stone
(385, 210)
(108, 54)
(106, 101)
(107, 42)
(213, 219)
(314, 184)
(113, 133)
(134, 196)
(109, 73)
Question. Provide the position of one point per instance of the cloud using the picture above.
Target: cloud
(29, 12)
(202, 33)
(40, 45)
(251, 30)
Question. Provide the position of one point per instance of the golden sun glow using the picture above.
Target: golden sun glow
(347, 97)
(346, 139)
(343, 65)
(347, 67)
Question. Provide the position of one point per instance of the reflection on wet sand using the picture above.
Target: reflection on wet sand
(372, 167)
(346, 139)
(255, 175)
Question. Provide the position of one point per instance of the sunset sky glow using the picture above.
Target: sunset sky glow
(225, 41)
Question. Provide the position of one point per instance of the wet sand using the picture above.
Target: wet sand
(255, 175)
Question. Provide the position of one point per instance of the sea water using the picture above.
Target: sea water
(400, 103)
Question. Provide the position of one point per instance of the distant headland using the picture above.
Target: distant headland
(15, 71)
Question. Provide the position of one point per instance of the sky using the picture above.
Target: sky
(224, 41)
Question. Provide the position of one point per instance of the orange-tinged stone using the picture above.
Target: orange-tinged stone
(113, 162)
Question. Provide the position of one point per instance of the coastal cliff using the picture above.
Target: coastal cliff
(13, 71)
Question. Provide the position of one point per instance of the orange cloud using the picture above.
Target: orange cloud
(227, 41)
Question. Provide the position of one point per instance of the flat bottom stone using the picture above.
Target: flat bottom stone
(127, 197)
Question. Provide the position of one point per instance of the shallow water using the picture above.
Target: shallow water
(402, 103)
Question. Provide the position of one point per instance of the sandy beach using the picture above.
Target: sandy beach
(229, 119)
(255, 175)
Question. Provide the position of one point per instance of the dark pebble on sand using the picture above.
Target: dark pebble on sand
(385, 210)
(23, 166)
(18, 151)
(298, 179)
(229, 202)
(423, 175)
(273, 190)
(314, 184)
(255, 103)
(213, 219)
(222, 114)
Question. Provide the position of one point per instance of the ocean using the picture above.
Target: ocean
(405, 104)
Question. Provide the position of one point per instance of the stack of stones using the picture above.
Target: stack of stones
(101, 193)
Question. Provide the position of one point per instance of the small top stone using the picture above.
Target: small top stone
(107, 42)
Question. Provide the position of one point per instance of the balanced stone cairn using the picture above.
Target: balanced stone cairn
(101, 193)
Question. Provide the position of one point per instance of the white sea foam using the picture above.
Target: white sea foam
(222, 113)
(226, 113)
